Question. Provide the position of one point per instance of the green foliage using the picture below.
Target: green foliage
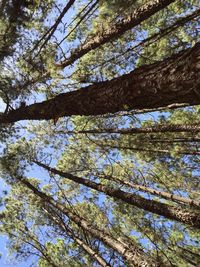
(167, 161)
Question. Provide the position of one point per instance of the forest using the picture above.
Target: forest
(100, 133)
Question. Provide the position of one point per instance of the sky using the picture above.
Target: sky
(4, 260)
(2, 105)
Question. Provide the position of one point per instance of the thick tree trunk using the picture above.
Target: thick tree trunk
(174, 80)
(130, 253)
(106, 35)
(168, 211)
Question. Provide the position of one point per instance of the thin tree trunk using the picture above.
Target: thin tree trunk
(174, 140)
(81, 18)
(173, 81)
(38, 246)
(168, 211)
(130, 253)
(106, 35)
(160, 151)
(156, 192)
(157, 36)
(93, 254)
(173, 128)
(53, 28)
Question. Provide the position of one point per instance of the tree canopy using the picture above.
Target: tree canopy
(100, 132)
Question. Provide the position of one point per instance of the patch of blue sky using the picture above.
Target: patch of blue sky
(6, 260)
(2, 105)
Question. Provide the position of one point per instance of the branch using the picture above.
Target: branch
(103, 36)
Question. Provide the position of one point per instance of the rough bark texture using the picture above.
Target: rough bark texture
(171, 212)
(130, 253)
(106, 35)
(174, 80)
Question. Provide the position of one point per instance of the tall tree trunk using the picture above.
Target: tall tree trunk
(174, 80)
(166, 195)
(106, 35)
(48, 34)
(92, 253)
(168, 211)
(160, 151)
(171, 141)
(157, 36)
(130, 253)
(162, 128)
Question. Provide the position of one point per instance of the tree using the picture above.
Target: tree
(104, 36)
(105, 169)
(139, 89)
(168, 211)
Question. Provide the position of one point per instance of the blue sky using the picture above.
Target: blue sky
(4, 261)
(37, 173)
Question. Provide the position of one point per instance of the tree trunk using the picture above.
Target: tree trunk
(168, 211)
(93, 254)
(38, 246)
(53, 28)
(172, 128)
(171, 141)
(157, 36)
(158, 151)
(106, 35)
(168, 196)
(130, 253)
(174, 80)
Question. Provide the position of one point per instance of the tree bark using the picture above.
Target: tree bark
(173, 140)
(53, 28)
(172, 81)
(158, 35)
(38, 246)
(156, 151)
(106, 35)
(130, 253)
(93, 254)
(168, 211)
(166, 195)
(159, 128)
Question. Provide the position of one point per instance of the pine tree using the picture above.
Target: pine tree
(99, 130)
